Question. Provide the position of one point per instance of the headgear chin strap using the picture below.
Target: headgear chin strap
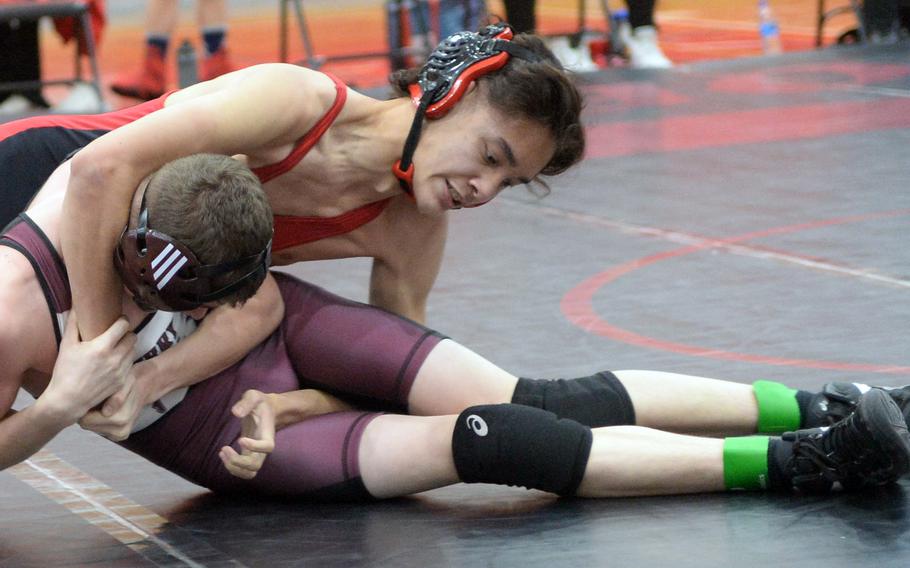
(455, 63)
(163, 274)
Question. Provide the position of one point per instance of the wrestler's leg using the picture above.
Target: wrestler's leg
(690, 404)
(516, 445)
(349, 347)
(315, 458)
(453, 377)
(400, 455)
(327, 457)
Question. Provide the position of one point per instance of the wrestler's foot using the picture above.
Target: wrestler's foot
(216, 65)
(869, 447)
(837, 400)
(146, 83)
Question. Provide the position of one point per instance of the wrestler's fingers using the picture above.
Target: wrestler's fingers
(226, 454)
(238, 465)
(254, 445)
(116, 400)
(92, 419)
(71, 331)
(244, 460)
(241, 473)
(264, 422)
(247, 403)
(250, 462)
(117, 335)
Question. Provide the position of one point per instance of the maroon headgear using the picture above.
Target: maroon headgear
(164, 274)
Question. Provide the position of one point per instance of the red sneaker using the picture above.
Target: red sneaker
(146, 83)
(216, 65)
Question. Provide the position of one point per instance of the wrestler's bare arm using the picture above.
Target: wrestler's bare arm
(23, 433)
(85, 374)
(264, 107)
(296, 406)
(224, 337)
(401, 280)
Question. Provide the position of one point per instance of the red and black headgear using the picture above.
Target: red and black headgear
(164, 274)
(455, 63)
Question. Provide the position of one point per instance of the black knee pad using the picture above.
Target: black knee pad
(518, 445)
(598, 400)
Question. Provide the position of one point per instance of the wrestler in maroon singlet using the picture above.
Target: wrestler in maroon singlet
(324, 342)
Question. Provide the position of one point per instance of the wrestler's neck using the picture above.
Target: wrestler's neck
(374, 141)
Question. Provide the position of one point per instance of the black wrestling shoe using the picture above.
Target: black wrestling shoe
(869, 447)
(837, 400)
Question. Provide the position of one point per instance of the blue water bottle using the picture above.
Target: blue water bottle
(768, 29)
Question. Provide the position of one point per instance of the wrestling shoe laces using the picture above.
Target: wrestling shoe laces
(838, 399)
(869, 447)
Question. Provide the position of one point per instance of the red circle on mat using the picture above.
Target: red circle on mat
(577, 304)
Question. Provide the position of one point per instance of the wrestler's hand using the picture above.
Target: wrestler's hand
(257, 436)
(116, 418)
(87, 372)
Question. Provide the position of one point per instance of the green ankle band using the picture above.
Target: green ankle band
(746, 463)
(778, 410)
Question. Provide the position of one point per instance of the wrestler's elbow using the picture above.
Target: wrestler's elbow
(260, 314)
(273, 304)
(94, 176)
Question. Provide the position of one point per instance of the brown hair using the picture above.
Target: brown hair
(541, 91)
(215, 206)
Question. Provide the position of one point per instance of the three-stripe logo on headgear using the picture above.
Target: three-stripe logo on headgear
(170, 261)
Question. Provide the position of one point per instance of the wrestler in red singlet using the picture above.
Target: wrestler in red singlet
(46, 141)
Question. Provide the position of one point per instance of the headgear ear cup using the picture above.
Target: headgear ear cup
(164, 274)
(455, 63)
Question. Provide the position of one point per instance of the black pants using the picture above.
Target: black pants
(520, 14)
(19, 58)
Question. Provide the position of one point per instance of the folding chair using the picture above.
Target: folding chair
(54, 9)
(396, 52)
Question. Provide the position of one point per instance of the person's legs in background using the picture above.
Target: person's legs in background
(212, 16)
(521, 15)
(640, 37)
(460, 15)
(881, 18)
(150, 80)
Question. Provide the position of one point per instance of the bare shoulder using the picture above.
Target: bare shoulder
(284, 78)
(25, 317)
(280, 87)
(266, 74)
